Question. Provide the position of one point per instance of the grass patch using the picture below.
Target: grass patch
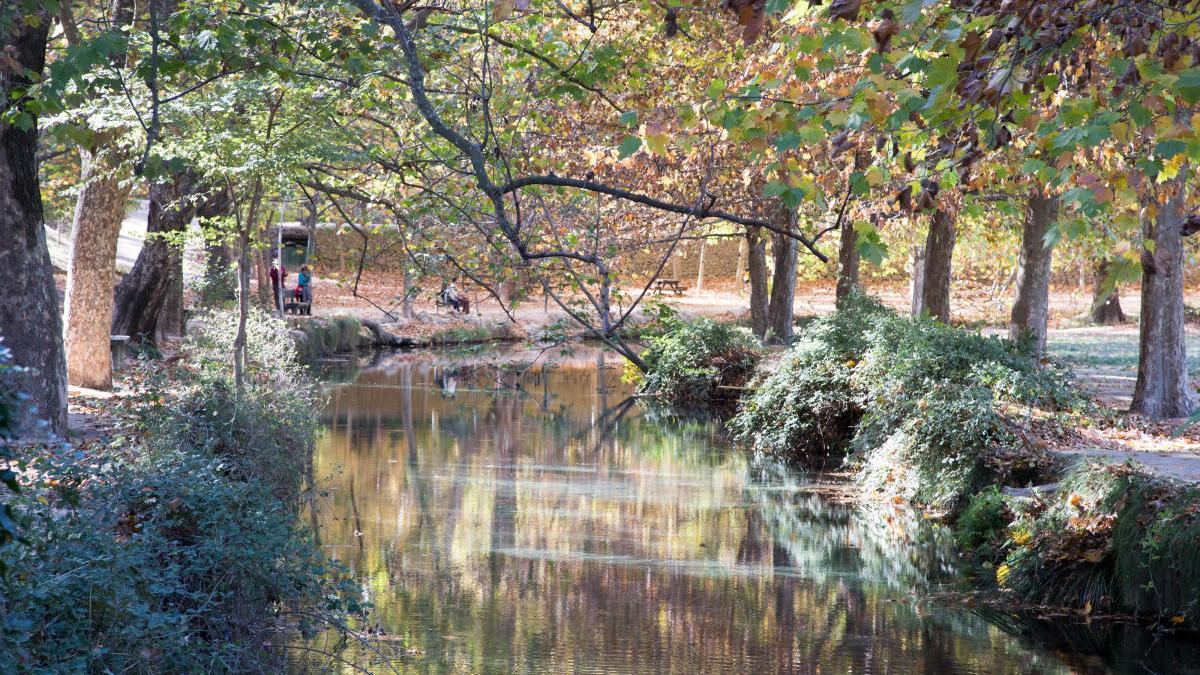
(1113, 538)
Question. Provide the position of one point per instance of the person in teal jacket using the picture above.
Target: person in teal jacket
(304, 284)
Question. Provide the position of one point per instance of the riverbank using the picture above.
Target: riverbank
(165, 537)
(964, 427)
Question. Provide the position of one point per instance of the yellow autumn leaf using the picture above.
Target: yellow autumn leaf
(1171, 168)
(1002, 573)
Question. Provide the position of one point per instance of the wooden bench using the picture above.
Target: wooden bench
(119, 346)
(672, 285)
(291, 306)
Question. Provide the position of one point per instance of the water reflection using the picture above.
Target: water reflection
(552, 527)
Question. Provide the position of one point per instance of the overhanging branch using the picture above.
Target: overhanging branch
(700, 212)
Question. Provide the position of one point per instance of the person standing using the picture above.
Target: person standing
(304, 284)
(278, 277)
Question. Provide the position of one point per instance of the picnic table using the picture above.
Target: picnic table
(671, 285)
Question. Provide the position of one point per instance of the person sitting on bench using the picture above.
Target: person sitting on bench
(455, 300)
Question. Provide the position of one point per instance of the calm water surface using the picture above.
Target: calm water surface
(538, 521)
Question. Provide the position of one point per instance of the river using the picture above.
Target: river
(508, 518)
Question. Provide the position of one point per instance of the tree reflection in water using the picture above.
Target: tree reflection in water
(557, 528)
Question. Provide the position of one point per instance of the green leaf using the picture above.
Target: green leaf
(629, 118)
(788, 140)
(1188, 85)
(1170, 148)
(792, 197)
(870, 247)
(630, 145)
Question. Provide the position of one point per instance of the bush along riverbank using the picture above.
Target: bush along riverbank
(949, 421)
(172, 543)
(699, 363)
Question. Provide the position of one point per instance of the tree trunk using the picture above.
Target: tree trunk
(1162, 379)
(243, 276)
(170, 317)
(700, 269)
(783, 283)
(91, 273)
(406, 304)
(740, 270)
(1106, 301)
(1031, 311)
(218, 257)
(939, 247)
(30, 323)
(756, 261)
(847, 280)
(916, 279)
(144, 293)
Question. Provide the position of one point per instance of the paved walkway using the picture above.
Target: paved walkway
(1179, 465)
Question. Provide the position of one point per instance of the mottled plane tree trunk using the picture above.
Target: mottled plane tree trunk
(1162, 378)
(1031, 311)
(1106, 298)
(848, 263)
(939, 249)
(91, 273)
(756, 266)
(783, 282)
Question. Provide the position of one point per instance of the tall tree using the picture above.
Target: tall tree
(1106, 297)
(144, 293)
(936, 277)
(783, 282)
(29, 324)
(756, 269)
(1162, 378)
(848, 263)
(91, 273)
(1031, 311)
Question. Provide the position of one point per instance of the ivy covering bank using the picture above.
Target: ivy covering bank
(173, 544)
(944, 419)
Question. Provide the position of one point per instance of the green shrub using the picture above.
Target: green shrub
(806, 405)
(688, 364)
(1113, 538)
(918, 403)
(175, 546)
(938, 455)
(983, 525)
(217, 288)
(908, 357)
